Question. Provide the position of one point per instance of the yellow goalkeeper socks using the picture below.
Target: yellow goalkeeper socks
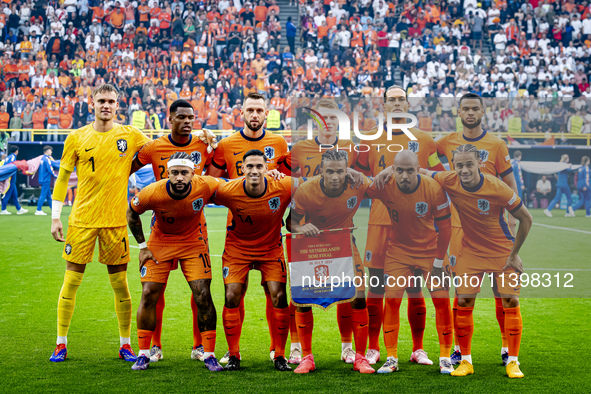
(122, 302)
(67, 302)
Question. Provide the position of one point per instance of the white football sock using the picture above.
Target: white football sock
(504, 350)
(445, 359)
(295, 345)
(512, 358)
(207, 354)
(345, 345)
(124, 341)
(144, 352)
(467, 358)
(63, 340)
(457, 348)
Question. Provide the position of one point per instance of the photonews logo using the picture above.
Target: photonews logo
(344, 131)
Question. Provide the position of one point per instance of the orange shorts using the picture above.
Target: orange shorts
(113, 245)
(236, 267)
(194, 261)
(404, 273)
(455, 245)
(375, 246)
(470, 271)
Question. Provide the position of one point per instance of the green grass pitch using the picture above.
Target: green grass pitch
(555, 351)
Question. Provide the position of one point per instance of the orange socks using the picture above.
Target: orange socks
(500, 312)
(444, 325)
(305, 324)
(197, 341)
(269, 315)
(144, 337)
(280, 330)
(465, 329)
(375, 310)
(293, 328)
(417, 317)
(233, 329)
(345, 322)
(157, 337)
(360, 330)
(454, 317)
(209, 341)
(392, 325)
(513, 329)
(241, 309)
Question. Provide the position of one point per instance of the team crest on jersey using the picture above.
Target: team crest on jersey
(226, 272)
(483, 205)
(144, 271)
(321, 273)
(136, 201)
(196, 156)
(197, 204)
(352, 202)
(413, 146)
(421, 208)
(122, 145)
(483, 155)
(274, 203)
(452, 260)
(368, 255)
(269, 152)
(68, 249)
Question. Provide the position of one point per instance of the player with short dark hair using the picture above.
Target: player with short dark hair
(257, 204)
(337, 203)
(12, 192)
(175, 239)
(102, 153)
(496, 162)
(487, 247)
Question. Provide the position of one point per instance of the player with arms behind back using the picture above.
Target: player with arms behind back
(487, 247)
(496, 162)
(175, 238)
(102, 153)
(327, 202)
(157, 153)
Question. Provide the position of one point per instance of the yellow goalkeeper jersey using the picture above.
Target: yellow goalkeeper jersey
(103, 162)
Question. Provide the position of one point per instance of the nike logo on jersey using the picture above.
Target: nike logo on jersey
(125, 255)
(237, 153)
(164, 158)
(309, 158)
(207, 272)
(88, 150)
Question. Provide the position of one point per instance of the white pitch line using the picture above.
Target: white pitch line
(563, 228)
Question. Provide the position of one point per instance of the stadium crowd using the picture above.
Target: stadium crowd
(213, 53)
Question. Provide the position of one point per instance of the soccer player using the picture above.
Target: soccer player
(379, 157)
(584, 186)
(562, 187)
(228, 160)
(102, 153)
(487, 247)
(12, 192)
(254, 239)
(338, 203)
(307, 156)
(495, 161)
(175, 238)
(415, 204)
(517, 173)
(157, 153)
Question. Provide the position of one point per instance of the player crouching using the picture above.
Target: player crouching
(176, 237)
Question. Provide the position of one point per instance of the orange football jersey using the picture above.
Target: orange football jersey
(307, 155)
(176, 221)
(379, 157)
(413, 215)
(493, 152)
(157, 152)
(256, 220)
(228, 154)
(327, 212)
(481, 211)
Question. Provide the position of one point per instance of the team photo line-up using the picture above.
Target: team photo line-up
(424, 222)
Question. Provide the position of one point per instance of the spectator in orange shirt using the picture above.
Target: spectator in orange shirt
(260, 12)
(53, 117)
(66, 119)
(4, 118)
(211, 119)
(117, 18)
(38, 118)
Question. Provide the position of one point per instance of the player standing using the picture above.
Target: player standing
(584, 186)
(254, 239)
(228, 160)
(157, 153)
(175, 239)
(338, 203)
(102, 153)
(495, 161)
(487, 247)
(381, 156)
(415, 204)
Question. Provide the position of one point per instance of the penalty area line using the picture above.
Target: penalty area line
(563, 228)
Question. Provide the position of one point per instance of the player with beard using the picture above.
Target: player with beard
(175, 239)
(227, 161)
(495, 161)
